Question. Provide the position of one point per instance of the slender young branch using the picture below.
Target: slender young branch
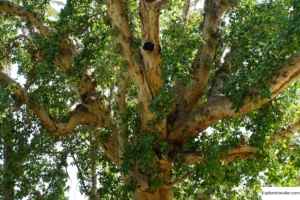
(80, 175)
(218, 108)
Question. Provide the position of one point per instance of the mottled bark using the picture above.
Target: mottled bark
(151, 52)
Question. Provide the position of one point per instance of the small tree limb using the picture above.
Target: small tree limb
(13, 9)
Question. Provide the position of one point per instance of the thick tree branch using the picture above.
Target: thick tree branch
(216, 86)
(151, 52)
(242, 152)
(16, 10)
(245, 151)
(77, 117)
(116, 10)
(149, 14)
(95, 105)
(118, 15)
(221, 107)
(214, 10)
(89, 113)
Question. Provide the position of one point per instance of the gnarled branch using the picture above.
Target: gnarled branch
(90, 113)
(77, 117)
(221, 107)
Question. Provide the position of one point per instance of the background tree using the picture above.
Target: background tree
(169, 93)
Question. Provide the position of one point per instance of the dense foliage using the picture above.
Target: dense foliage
(206, 104)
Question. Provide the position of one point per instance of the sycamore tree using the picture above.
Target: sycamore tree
(185, 102)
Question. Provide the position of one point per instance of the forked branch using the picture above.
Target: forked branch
(214, 10)
(221, 107)
(77, 117)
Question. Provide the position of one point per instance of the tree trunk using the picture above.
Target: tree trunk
(163, 193)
